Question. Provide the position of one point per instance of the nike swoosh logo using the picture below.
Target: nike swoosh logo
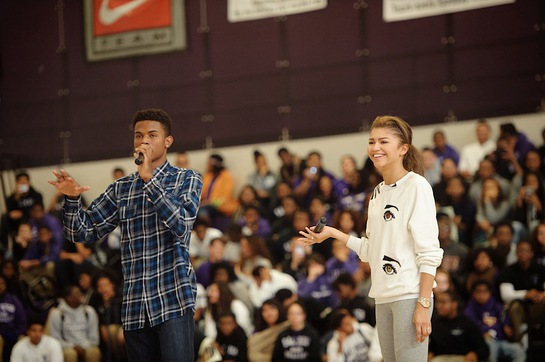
(109, 16)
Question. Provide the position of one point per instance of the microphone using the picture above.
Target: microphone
(320, 225)
(140, 159)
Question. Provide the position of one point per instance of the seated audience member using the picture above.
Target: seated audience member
(23, 239)
(325, 194)
(217, 199)
(231, 340)
(305, 185)
(349, 299)
(532, 164)
(262, 179)
(486, 171)
(538, 242)
(473, 153)
(283, 214)
(454, 334)
(444, 281)
(13, 320)
(448, 171)
(76, 327)
(505, 160)
(432, 166)
(503, 242)
(492, 208)
(215, 255)
(488, 314)
(10, 272)
(40, 257)
(343, 260)
(266, 282)
(18, 206)
(349, 190)
(316, 311)
(482, 266)
(221, 300)
(290, 165)
(36, 346)
(348, 221)
(223, 272)
(352, 341)
(522, 285)
(517, 141)
(247, 196)
(299, 342)
(73, 258)
(530, 201)
(253, 223)
(269, 322)
(455, 253)
(253, 253)
(107, 304)
(317, 284)
(280, 245)
(201, 235)
(442, 149)
(232, 236)
(463, 208)
(295, 259)
(182, 160)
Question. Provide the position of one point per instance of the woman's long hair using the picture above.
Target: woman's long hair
(412, 161)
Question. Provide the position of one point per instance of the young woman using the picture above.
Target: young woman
(401, 245)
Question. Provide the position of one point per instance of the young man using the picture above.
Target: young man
(36, 346)
(155, 208)
(454, 334)
(75, 326)
(487, 313)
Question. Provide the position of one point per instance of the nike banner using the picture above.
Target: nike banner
(124, 28)
(396, 10)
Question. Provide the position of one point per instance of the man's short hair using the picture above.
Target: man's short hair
(153, 115)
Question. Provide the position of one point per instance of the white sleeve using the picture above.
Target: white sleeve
(332, 351)
(360, 246)
(424, 229)
(56, 351)
(509, 294)
(371, 334)
(242, 314)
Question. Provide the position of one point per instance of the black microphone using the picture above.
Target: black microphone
(140, 159)
(320, 225)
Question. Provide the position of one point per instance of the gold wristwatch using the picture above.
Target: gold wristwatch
(425, 302)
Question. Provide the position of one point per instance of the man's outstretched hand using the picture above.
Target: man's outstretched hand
(67, 185)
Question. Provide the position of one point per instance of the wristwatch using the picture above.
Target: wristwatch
(425, 302)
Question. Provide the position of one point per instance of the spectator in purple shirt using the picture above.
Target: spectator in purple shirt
(12, 319)
(517, 141)
(442, 149)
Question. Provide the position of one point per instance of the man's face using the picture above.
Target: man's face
(227, 325)
(445, 306)
(152, 135)
(35, 333)
(481, 294)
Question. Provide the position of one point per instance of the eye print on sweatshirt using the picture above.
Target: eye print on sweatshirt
(389, 212)
(389, 266)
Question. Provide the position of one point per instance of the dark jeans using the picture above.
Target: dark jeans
(169, 341)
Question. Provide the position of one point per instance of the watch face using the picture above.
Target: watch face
(425, 302)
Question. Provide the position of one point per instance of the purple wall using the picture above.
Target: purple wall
(493, 64)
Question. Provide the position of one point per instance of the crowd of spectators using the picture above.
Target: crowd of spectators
(263, 296)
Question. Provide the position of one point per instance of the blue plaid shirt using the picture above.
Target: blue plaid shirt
(155, 219)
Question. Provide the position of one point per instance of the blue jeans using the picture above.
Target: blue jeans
(167, 342)
(513, 351)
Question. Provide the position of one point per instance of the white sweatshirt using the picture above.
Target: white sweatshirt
(402, 238)
(48, 350)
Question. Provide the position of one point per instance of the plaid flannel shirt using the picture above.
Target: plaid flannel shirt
(155, 220)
